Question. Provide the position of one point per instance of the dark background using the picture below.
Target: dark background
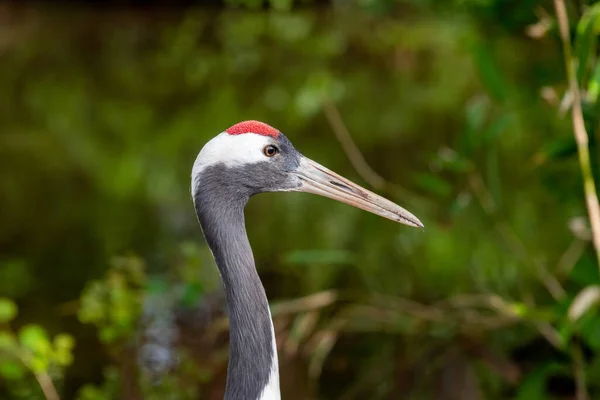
(455, 110)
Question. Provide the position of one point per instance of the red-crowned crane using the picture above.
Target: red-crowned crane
(249, 158)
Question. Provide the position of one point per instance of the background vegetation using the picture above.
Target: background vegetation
(461, 111)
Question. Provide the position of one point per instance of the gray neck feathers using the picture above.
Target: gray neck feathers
(220, 212)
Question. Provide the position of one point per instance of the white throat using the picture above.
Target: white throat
(271, 390)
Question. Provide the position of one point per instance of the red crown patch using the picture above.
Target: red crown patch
(260, 128)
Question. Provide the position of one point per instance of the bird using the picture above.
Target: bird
(249, 158)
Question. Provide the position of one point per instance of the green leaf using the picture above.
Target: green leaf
(108, 334)
(92, 309)
(39, 364)
(63, 358)
(497, 127)
(12, 370)
(489, 72)
(476, 114)
(585, 271)
(34, 337)
(590, 331)
(89, 392)
(586, 40)
(63, 346)
(556, 149)
(433, 184)
(594, 85)
(64, 342)
(8, 310)
(36, 347)
(191, 293)
(534, 384)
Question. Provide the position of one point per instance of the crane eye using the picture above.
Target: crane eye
(270, 150)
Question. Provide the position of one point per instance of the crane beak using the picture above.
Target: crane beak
(317, 179)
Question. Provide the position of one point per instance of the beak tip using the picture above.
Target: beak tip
(419, 224)
(411, 220)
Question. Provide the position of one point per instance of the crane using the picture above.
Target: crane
(246, 159)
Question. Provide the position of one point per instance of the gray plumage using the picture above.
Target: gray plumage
(220, 195)
(225, 176)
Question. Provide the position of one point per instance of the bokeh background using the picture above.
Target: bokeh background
(457, 110)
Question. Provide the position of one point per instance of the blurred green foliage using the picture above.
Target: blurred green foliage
(113, 305)
(460, 107)
(31, 352)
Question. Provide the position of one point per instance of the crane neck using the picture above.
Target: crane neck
(253, 372)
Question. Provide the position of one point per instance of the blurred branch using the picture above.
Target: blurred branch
(411, 307)
(322, 344)
(343, 136)
(503, 308)
(550, 334)
(47, 386)
(579, 372)
(540, 28)
(356, 158)
(45, 383)
(461, 308)
(581, 136)
(307, 303)
(302, 327)
(587, 298)
(570, 257)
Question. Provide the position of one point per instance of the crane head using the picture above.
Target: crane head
(252, 157)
